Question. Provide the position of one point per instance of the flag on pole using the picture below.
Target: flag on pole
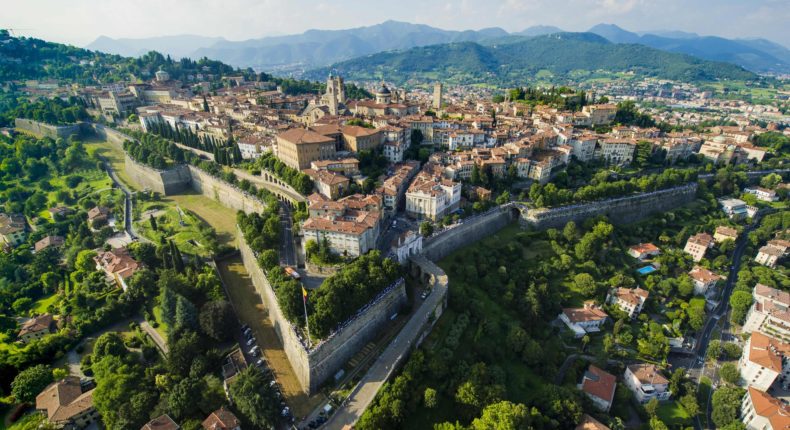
(304, 295)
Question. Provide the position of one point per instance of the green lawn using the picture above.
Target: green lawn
(41, 305)
(673, 414)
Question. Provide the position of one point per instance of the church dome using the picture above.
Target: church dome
(383, 90)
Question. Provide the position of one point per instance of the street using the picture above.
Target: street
(695, 364)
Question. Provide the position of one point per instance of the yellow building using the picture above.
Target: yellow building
(298, 147)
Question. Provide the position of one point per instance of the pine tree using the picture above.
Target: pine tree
(205, 104)
(175, 254)
(185, 314)
(167, 304)
(153, 223)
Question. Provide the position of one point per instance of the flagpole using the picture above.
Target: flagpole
(306, 321)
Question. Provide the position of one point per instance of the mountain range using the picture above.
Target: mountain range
(557, 57)
(319, 48)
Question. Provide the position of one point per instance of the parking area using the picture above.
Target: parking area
(253, 313)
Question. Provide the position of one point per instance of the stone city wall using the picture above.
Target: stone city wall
(174, 180)
(296, 353)
(469, 231)
(619, 210)
(224, 192)
(313, 368)
(333, 353)
(46, 130)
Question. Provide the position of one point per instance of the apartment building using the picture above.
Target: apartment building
(630, 301)
(761, 411)
(770, 313)
(350, 225)
(431, 197)
(703, 279)
(763, 360)
(698, 245)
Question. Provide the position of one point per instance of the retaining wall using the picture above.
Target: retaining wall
(620, 210)
(321, 363)
(46, 130)
(473, 229)
(224, 192)
(166, 182)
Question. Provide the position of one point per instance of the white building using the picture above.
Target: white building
(407, 245)
(761, 411)
(703, 279)
(770, 313)
(646, 382)
(616, 151)
(698, 245)
(630, 301)
(772, 252)
(432, 197)
(587, 319)
(763, 360)
(734, 208)
(350, 225)
(763, 194)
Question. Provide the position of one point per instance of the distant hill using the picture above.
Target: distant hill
(175, 46)
(518, 60)
(315, 48)
(758, 55)
(539, 30)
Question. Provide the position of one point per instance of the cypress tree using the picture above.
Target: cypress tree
(153, 223)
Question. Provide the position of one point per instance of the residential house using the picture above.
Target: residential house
(98, 216)
(162, 422)
(49, 242)
(12, 229)
(646, 382)
(222, 419)
(587, 319)
(723, 233)
(772, 252)
(599, 386)
(763, 194)
(734, 208)
(643, 251)
(327, 183)
(630, 301)
(60, 212)
(36, 328)
(118, 265)
(697, 245)
(761, 411)
(66, 405)
(590, 423)
(703, 279)
(763, 360)
(770, 313)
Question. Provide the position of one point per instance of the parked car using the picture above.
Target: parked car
(250, 341)
(259, 363)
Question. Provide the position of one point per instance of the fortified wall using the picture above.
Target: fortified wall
(224, 192)
(471, 230)
(620, 210)
(166, 182)
(317, 365)
(46, 130)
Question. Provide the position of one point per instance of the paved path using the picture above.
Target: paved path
(389, 360)
(157, 338)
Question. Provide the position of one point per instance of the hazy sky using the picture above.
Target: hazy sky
(80, 21)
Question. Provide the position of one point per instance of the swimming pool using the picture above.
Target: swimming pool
(646, 270)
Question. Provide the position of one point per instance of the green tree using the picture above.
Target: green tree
(429, 398)
(740, 301)
(585, 284)
(726, 404)
(84, 261)
(217, 320)
(689, 403)
(254, 398)
(651, 407)
(109, 343)
(729, 372)
(426, 228)
(503, 415)
(30, 382)
(714, 350)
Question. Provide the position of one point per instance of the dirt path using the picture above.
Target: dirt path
(251, 311)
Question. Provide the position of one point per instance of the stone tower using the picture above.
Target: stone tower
(437, 95)
(335, 94)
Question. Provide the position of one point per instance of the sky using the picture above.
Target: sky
(79, 22)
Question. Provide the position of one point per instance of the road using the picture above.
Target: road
(696, 364)
(389, 360)
(157, 338)
(128, 225)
